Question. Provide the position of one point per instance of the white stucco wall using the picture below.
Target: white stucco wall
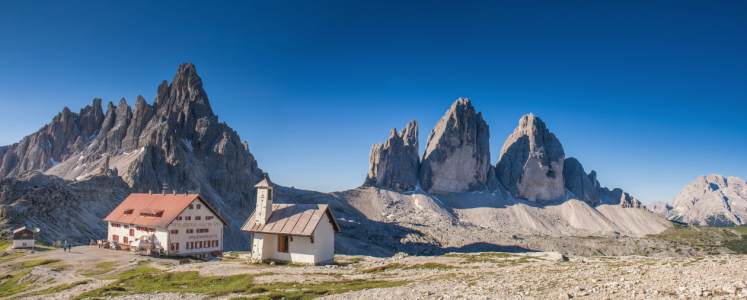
(20, 243)
(324, 240)
(300, 250)
(214, 226)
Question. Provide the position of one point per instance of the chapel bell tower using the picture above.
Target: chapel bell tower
(264, 200)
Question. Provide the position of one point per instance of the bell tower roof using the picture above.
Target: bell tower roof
(265, 183)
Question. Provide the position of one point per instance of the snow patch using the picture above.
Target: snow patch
(417, 204)
(50, 144)
(189, 144)
(54, 162)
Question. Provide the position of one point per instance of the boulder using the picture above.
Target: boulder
(531, 162)
(457, 155)
(394, 163)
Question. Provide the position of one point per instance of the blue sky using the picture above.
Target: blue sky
(650, 95)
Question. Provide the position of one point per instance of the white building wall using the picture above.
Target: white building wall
(300, 250)
(324, 240)
(214, 227)
(23, 244)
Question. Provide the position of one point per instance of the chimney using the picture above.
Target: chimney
(150, 192)
(174, 192)
(186, 192)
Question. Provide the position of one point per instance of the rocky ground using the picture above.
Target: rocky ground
(488, 275)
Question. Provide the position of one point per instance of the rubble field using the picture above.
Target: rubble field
(90, 272)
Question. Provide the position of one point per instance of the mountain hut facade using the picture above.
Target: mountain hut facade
(171, 224)
(297, 233)
(23, 238)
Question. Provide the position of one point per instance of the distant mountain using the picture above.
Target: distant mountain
(712, 200)
(177, 141)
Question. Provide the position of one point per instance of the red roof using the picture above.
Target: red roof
(171, 205)
(292, 219)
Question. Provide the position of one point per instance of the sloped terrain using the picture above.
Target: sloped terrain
(713, 200)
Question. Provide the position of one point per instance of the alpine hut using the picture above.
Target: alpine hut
(297, 233)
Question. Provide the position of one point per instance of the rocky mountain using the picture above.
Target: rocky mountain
(531, 162)
(72, 211)
(457, 155)
(579, 183)
(178, 141)
(395, 163)
(712, 200)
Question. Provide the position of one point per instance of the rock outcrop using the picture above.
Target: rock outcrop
(578, 182)
(713, 200)
(177, 141)
(457, 155)
(394, 163)
(62, 210)
(531, 162)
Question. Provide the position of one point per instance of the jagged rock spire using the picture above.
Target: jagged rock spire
(394, 163)
(531, 162)
(457, 155)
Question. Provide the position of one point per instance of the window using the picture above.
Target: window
(132, 232)
(174, 246)
(190, 231)
(125, 240)
(197, 217)
(198, 245)
(283, 243)
(269, 194)
(116, 225)
(175, 232)
(190, 245)
(199, 206)
(126, 226)
(209, 218)
(191, 206)
(115, 238)
(188, 218)
(178, 218)
(215, 243)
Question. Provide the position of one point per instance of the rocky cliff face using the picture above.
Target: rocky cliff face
(62, 210)
(578, 182)
(531, 162)
(394, 164)
(712, 200)
(457, 155)
(177, 141)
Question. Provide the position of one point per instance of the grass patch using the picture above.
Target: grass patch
(293, 291)
(101, 268)
(54, 289)
(134, 272)
(482, 257)
(6, 258)
(12, 286)
(238, 253)
(706, 239)
(396, 266)
(177, 282)
(5, 244)
(436, 266)
(380, 269)
(34, 263)
(354, 260)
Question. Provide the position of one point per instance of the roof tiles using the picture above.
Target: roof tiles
(170, 204)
